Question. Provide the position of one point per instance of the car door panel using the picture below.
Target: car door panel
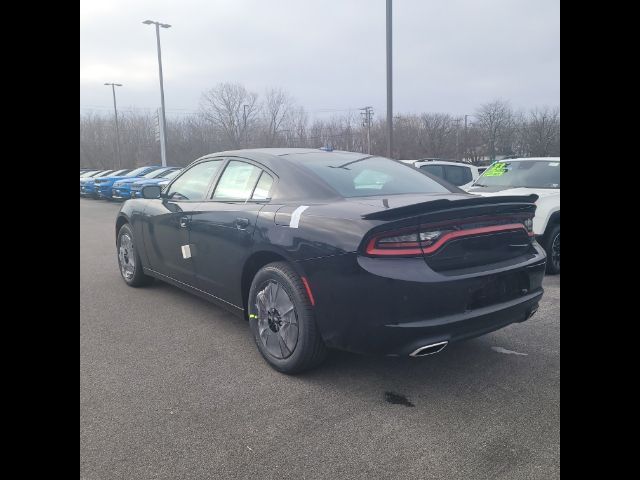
(222, 230)
(221, 236)
(169, 218)
(166, 231)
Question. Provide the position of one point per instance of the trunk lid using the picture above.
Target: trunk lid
(450, 232)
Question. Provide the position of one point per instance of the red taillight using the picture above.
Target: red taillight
(427, 239)
(402, 243)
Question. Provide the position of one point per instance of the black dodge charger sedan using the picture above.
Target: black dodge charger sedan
(320, 249)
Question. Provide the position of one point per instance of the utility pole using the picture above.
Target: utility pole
(118, 158)
(457, 120)
(163, 140)
(244, 117)
(466, 143)
(389, 85)
(367, 113)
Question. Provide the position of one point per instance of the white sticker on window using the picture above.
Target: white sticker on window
(295, 216)
(186, 251)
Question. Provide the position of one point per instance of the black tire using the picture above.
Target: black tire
(309, 349)
(552, 247)
(126, 250)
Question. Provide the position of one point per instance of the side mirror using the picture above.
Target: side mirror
(151, 191)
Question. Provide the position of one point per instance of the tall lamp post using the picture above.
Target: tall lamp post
(389, 85)
(163, 139)
(118, 160)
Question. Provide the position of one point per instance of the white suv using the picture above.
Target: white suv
(524, 176)
(457, 173)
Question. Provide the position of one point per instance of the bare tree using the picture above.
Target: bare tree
(224, 107)
(544, 131)
(220, 125)
(437, 135)
(276, 109)
(494, 119)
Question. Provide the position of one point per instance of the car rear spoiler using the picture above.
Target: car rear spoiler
(446, 204)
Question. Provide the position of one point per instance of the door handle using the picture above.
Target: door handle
(184, 222)
(242, 223)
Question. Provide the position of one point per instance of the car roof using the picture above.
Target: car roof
(522, 159)
(444, 162)
(288, 165)
(277, 157)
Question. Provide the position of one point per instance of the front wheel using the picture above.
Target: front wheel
(282, 321)
(552, 247)
(129, 259)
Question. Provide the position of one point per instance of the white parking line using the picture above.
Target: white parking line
(504, 350)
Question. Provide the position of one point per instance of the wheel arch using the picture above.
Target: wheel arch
(120, 221)
(255, 262)
(554, 219)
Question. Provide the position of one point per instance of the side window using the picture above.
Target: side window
(263, 187)
(434, 170)
(194, 183)
(457, 175)
(237, 181)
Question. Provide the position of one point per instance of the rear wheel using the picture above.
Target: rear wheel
(552, 247)
(282, 321)
(129, 259)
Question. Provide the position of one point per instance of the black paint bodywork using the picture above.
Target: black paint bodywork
(368, 304)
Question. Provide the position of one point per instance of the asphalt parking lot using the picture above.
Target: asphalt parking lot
(173, 387)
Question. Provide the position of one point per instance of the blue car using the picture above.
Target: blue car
(136, 187)
(88, 184)
(121, 189)
(91, 173)
(104, 185)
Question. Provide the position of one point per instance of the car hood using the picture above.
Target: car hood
(124, 180)
(112, 178)
(150, 181)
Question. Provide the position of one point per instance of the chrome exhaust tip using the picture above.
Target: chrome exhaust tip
(428, 349)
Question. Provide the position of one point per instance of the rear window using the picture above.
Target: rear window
(454, 174)
(457, 175)
(372, 176)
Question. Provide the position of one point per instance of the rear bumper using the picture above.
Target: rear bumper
(404, 338)
(391, 307)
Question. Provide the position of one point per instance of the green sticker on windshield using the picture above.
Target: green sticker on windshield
(496, 170)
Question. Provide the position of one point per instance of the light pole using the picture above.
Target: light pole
(457, 122)
(244, 118)
(118, 159)
(163, 140)
(389, 85)
(464, 147)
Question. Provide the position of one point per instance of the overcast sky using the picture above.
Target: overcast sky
(449, 55)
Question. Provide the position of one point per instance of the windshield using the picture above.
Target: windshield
(136, 172)
(90, 173)
(103, 174)
(156, 173)
(372, 176)
(119, 172)
(523, 173)
(171, 174)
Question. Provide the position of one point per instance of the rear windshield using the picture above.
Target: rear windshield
(372, 176)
